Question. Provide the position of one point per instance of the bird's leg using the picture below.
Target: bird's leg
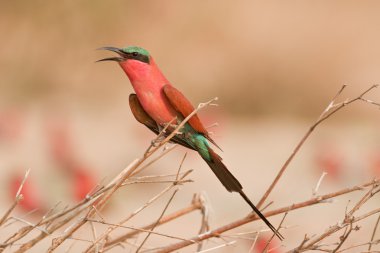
(160, 137)
(164, 131)
(156, 141)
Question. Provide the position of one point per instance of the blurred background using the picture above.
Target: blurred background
(274, 66)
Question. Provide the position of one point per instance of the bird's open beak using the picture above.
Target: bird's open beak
(123, 55)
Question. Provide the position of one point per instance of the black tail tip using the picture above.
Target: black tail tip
(279, 236)
(261, 216)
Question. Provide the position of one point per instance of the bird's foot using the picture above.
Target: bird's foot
(157, 141)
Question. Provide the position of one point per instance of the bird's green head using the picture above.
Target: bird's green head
(128, 53)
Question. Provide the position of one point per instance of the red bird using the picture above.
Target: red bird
(32, 199)
(62, 150)
(157, 103)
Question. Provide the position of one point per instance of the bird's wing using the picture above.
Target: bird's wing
(141, 116)
(185, 108)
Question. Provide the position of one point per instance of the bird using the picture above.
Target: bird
(32, 199)
(156, 103)
(62, 150)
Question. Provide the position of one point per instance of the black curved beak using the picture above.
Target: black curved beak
(123, 56)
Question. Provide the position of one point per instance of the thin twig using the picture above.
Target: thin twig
(195, 205)
(150, 177)
(157, 182)
(343, 238)
(333, 230)
(166, 206)
(132, 168)
(28, 245)
(143, 167)
(329, 111)
(316, 189)
(271, 238)
(31, 224)
(48, 219)
(205, 211)
(370, 101)
(362, 244)
(18, 198)
(251, 250)
(218, 247)
(251, 217)
(152, 200)
(348, 220)
(373, 233)
(140, 230)
(158, 220)
(50, 222)
(159, 137)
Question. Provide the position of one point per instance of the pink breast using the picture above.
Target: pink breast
(156, 105)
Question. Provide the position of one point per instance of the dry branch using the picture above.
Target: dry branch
(196, 204)
(330, 110)
(129, 172)
(18, 198)
(75, 217)
(348, 220)
(218, 231)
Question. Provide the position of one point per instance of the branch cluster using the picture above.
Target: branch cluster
(88, 212)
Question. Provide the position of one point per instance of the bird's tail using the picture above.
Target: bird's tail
(221, 171)
(257, 211)
(214, 161)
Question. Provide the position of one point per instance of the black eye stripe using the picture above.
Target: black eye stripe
(138, 56)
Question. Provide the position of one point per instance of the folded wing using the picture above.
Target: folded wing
(185, 108)
(141, 116)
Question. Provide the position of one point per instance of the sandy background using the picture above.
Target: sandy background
(273, 65)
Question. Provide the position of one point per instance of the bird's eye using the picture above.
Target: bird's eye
(135, 54)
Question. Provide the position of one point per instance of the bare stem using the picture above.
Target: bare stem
(195, 205)
(330, 110)
(166, 206)
(373, 233)
(218, 231)
(18, 198)
(118, 182)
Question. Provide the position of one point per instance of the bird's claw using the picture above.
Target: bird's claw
(156, 142)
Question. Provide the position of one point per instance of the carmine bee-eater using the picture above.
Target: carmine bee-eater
(156, 103)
